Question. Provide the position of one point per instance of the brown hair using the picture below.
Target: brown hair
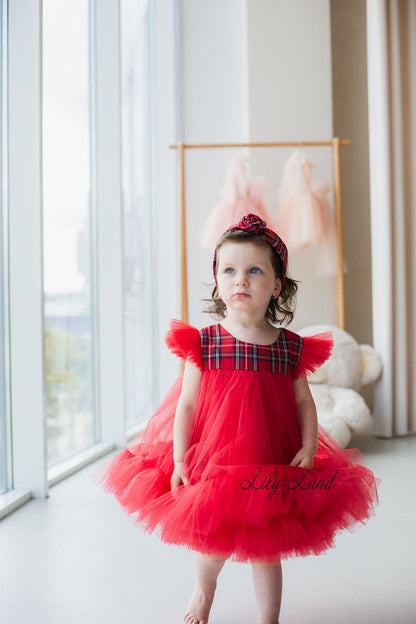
(281, 309)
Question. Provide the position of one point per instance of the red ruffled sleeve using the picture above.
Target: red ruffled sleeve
(184, 341)
(315, 351)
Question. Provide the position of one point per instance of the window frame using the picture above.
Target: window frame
(6, 484)
(27, 454)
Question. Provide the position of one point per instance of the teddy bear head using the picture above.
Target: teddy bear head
(351, 365)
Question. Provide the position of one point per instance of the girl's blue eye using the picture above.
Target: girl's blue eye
(255, 269)
(228, 269)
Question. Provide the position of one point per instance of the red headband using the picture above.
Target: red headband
(253, 223)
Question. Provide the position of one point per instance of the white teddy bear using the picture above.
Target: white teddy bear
(335, 385)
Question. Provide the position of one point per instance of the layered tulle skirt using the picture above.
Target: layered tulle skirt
(243, 501)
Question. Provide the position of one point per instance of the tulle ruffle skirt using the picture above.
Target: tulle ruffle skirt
(243, 500)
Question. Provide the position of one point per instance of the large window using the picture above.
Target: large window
(69, 229)
(139, 268)
(5, 472)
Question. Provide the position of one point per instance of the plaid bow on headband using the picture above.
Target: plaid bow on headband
(253, 223)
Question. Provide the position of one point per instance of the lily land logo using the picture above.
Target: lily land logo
(273, 482)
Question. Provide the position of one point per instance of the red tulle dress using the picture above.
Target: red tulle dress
(243, 501)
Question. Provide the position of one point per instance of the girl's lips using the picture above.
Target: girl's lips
(241, 295)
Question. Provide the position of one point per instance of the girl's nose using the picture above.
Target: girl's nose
(240, 280)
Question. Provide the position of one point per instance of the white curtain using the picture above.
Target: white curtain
(391, 62)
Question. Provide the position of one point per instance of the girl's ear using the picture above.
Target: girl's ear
(278, 288)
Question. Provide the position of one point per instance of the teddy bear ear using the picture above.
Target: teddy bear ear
(371, 364)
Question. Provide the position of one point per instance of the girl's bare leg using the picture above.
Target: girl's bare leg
(267, 579)
(208, 568)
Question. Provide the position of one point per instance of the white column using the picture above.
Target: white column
(397, 217)
(109, 222)
(380, 193)
(25, 230)
(166, 89)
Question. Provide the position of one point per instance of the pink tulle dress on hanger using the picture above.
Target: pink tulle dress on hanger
(305, 217)
(240, 196)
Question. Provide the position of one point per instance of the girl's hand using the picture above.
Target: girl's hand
(178, 478)
(303, 458)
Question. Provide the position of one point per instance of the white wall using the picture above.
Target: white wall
(253, 71)
(350, 110)
(290, 99)
(214, 108)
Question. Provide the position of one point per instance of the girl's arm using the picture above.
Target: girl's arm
(183, 415)
(308, 424)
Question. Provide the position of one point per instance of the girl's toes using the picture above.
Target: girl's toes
(200, 603)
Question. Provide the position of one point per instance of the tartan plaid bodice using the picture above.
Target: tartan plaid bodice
(221, 350)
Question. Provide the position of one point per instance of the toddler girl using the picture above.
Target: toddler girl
(233, 463)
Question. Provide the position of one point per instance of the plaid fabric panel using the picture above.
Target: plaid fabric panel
(221, 350)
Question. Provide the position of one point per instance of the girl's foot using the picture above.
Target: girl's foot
(199, 607)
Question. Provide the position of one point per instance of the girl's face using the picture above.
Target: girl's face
(246, 279)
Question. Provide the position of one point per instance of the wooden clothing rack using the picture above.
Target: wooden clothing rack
(336, 145)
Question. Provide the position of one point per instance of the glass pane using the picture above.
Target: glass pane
(68, 235)
(137, 216)
(3, 250)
